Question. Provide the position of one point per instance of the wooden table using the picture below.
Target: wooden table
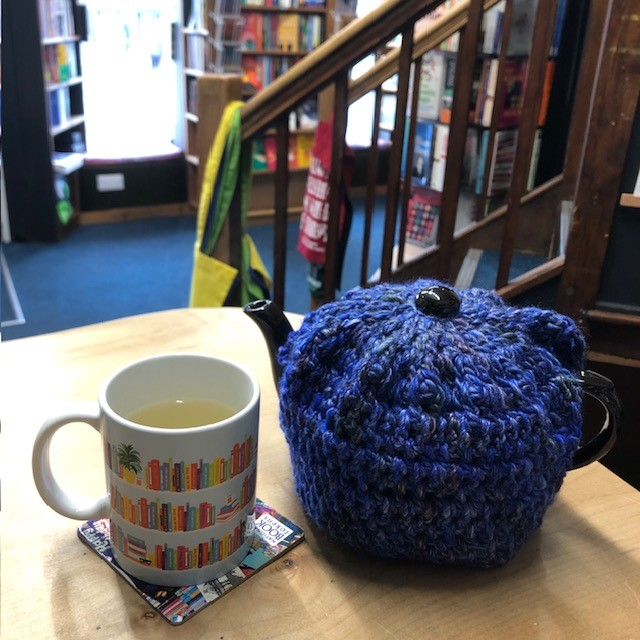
(578, 577)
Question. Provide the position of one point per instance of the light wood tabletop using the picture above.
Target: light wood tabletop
(577, 577)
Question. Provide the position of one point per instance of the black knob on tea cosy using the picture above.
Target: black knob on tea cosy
(438, 301)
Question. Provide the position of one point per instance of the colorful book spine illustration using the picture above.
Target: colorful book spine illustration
(190, 517)
(179, 557)
(183, 476)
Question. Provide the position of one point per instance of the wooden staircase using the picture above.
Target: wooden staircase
(582, 197)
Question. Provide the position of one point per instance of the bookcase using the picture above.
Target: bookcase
(275, 35)
(496, 105)
(256, 54)
(44, 147)
(210, 44)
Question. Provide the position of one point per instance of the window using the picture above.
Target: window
(132, 98)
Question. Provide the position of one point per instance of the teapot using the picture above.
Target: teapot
(432, 423)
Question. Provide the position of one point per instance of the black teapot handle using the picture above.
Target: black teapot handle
(602, 389)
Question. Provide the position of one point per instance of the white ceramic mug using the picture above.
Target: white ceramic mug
(180, 499)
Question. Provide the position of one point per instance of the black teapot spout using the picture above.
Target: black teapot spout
(275, 328)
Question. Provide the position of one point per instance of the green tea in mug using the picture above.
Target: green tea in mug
(181, 413)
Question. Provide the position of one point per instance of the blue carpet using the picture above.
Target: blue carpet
(485, 276)
(107, 271)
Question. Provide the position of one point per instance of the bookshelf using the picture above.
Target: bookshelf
(500, 77)
(274, 36)
(210, 44)
(44, 102)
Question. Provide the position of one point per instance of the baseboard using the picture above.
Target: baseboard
(125, 214)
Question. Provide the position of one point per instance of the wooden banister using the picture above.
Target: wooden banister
(426, 39)
(318, 68)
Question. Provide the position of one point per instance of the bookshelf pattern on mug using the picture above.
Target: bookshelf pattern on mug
(180, 557)
(179, 476)
(492, 133)
(162, 515)
(275, 35)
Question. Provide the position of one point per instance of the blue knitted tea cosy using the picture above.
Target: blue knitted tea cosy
(438, 432)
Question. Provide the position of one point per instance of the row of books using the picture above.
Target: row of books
(280, 32)
(56, 18)
(177, 476)
(165, 516)
(59, 106)
(283, 4)
(430, 158)
(299, 156)
(260, 71)
(180, 557)
(437, 77)
(522, 25)
(60, 63)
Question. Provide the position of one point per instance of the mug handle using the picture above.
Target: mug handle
(47, 485)
(602, 389)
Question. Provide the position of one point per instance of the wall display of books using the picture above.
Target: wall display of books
(498, 86)
(422, 216)
(210, 44)
(275, 34)
(47, 132)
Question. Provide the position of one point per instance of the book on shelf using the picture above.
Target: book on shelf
(56, 18)
(514, 75)
(265, 152)
(251, 34)
(492, 25)
(535, 157)
(287, 32)
(423, 213)
(546, 92)
(252, 72)
(470, 160)
(475, 89)
(192, 95)
(431, 83)
(446, 102)
(269, 32)
(309, 32)
(523, 18)
(422, 153)
(503, 157)
(304, 148)
(558, 27)
(59, 106)
(487, 92)
(439, 160)
(481, 163)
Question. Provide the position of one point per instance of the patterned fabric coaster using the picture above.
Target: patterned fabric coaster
(275, 535)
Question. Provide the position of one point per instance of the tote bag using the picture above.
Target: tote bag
(215, 283)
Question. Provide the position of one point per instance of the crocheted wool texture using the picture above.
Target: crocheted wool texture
(440, 439)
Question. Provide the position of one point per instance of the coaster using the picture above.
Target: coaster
(274, 536)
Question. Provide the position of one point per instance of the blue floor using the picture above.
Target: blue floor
(107, 271)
